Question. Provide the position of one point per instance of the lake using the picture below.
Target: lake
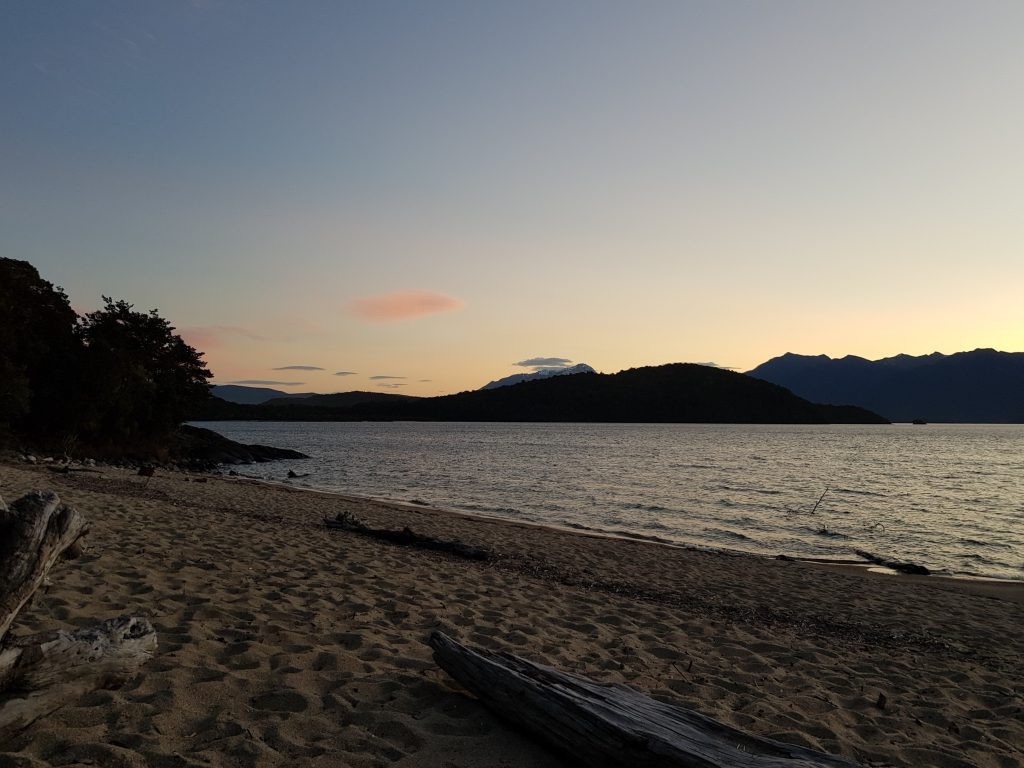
(948, 496)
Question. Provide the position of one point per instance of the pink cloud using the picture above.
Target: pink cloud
(215, 336)
(402, 305)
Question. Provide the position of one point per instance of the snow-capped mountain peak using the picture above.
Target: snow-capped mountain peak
(541, 373)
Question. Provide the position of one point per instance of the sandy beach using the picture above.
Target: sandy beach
(281, 643)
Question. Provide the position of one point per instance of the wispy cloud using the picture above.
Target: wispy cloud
(345, 373)
(391, 386)
(716, 365)
(268, 383)
(381, 378)
(402, 305)
(544, 362)
(216, 336)
(298, 368)
(424, 381)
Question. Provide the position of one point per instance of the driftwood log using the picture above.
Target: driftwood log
(40, 673)
(611, 725)
(406, 537)
(909, 568)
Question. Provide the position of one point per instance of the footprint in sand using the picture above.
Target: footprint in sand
(281, 700)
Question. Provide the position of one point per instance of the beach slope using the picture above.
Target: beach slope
(281, 643)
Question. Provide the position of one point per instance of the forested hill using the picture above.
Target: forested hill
(675, 393)
(311, 408)
(337, 400)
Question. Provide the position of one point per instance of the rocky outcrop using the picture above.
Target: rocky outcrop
(204, 449)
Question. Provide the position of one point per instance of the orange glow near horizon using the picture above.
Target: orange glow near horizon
(700, 182)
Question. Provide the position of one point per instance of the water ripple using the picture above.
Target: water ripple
(946, 496)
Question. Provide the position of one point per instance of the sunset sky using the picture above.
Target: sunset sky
(418, 196)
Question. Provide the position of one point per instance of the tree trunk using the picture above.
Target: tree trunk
(611, 725)
(40, 673)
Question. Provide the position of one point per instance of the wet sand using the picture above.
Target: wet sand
(284, 644)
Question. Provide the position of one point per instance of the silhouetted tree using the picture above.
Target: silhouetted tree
(140, 379)
(37, 351)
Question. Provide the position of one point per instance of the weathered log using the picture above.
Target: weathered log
(39, 673)
(611, 725)
(34, 533)
(912, 569)
(406, 537)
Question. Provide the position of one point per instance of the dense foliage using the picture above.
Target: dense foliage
(114, 382)
(37, 346)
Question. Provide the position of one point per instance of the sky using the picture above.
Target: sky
(416, 197)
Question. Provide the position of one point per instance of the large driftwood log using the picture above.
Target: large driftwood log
(912, 569)
(39, 673)
(406, 537)
(611, 725)
(34, 533)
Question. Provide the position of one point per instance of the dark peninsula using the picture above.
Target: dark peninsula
(674, 393)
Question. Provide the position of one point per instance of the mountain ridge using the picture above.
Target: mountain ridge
(336, 399)
(978, 386)
(673, 393)
(245, 395)
(543, 373)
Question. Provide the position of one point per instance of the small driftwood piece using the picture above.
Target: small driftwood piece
(40, 673)
(406, 537)
(611, 725)
(912, 569)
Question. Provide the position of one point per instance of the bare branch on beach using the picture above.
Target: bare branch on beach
(345, 521)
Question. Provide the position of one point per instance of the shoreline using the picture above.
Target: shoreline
(902, 510)
(1012, 589)
(282, 643)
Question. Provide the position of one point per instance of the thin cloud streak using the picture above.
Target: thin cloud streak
(298, 368)
(345, 373)
(403, 305)
(544, 362)
(268, 383)
(381, 378)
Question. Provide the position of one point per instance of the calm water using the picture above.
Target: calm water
(948, 496)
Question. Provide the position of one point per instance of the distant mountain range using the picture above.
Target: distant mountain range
(543, 373)
(236, 393)
(305, 407)
(337, 400)
(983, 386)
(675, 393)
